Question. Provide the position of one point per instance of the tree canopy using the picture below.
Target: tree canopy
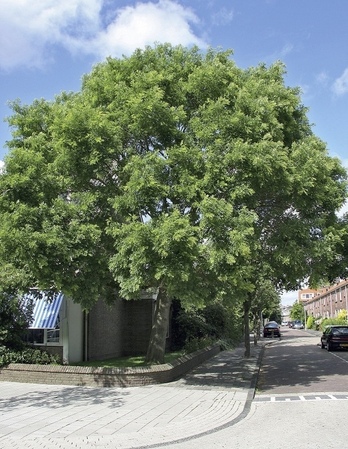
(298, 312)
(172, 169)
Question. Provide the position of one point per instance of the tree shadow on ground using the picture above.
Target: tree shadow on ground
(298, 363)
(229, 369)
(65, 397)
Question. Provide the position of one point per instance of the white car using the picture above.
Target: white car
(298, 325)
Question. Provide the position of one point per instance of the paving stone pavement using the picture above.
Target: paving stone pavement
(211, 397)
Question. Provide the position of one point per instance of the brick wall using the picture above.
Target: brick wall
(122, 329)
(105, 335)
(106, 377)
(137, 323)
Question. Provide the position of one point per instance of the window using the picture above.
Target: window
(45, 326)
(53, 336)
(35, 336)
(42, 336)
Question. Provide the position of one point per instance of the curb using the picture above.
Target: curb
(107, 377)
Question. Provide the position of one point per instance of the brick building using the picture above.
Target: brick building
(61, 327)
(326, 302)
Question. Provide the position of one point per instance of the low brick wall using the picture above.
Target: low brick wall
(106, 377)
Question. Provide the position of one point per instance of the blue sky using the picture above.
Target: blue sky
(46, 47)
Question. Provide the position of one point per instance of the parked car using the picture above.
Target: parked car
(271, 329)
(335, 337)
(297, 325)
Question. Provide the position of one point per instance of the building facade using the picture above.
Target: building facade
(306, 295)
(327, 302)
(62, 327)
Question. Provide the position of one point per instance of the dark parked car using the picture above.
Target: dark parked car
(271, 329)
(335, 337)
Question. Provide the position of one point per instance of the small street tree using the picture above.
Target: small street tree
(265, 304)
(297, 311)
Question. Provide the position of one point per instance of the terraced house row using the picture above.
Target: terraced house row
(326, 302)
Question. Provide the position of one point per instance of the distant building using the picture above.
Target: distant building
(306, 294)
(286, 313)
(326, 302)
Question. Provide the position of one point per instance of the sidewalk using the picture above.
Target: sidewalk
(213, 396)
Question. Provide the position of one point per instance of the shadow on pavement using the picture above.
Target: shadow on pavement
(298, 362)
(66, 397)
(229, 369)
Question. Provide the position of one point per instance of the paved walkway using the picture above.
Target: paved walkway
(213, 396)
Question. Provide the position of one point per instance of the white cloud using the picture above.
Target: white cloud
(322, 78)
(144, 24)
(288, 298)
(30, 28)
(223, 17)
(340, 86)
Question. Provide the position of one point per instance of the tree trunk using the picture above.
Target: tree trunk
(157, 343)
(247, 304)
(257, 327)
(256, 330)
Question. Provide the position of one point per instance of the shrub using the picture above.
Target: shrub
(28, 356)
(328, 321)
(310, 323)
(215, 317)
(198, 343)
(215, 322)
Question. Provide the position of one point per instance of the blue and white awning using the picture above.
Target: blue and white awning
(46, 311)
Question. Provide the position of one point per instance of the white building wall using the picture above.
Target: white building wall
(72, 332)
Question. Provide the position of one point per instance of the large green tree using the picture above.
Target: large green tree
(172, 169)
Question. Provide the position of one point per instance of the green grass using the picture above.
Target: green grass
(129, 362)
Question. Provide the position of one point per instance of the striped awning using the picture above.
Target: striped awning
(45, 311)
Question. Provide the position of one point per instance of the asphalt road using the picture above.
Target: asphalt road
(297, 364)
(301, 400)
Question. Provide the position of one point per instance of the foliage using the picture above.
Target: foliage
(266, 303)
(342, 315)
(198, 343)
(326, 321)
(337, 265)
(173, 169)
(297, 311)
(27, 355)
(311, 323)
(14, 320)
(276, 315)
(196, 328)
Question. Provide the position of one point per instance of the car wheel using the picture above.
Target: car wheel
(329, 346)
(322, 345)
